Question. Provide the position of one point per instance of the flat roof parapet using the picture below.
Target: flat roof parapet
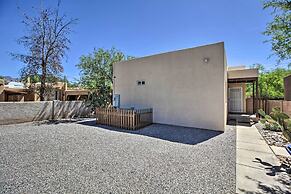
(242, 74)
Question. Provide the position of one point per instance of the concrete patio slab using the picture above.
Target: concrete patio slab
(253, 158)
(281, 151)
(248, 146)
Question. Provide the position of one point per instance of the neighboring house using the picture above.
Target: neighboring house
(13, 91)
(18, 92)
(187, 87)
(287, 88)
(60, 91)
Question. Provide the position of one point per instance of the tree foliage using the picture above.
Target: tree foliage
(280, 28)
(70, 84)
(46, 42)
(96, 74)
(271, 83)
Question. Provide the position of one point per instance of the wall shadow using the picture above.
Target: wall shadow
(70, 109)
(185, 135)
(45, 111)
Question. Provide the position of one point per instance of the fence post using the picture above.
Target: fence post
(134, 113)
(53, 110)
(97, 115)
(282, 105)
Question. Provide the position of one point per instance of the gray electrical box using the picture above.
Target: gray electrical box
(116, 100)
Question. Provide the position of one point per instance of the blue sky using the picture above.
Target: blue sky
(145, 27)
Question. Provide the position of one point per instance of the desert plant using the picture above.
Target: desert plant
(276, 121)
(287, 124)
(278, 115)
(262, 113)
(287, 131)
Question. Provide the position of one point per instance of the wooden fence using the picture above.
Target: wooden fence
(267, 105)
(124, 118)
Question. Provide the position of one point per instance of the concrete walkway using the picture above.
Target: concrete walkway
(257, 167)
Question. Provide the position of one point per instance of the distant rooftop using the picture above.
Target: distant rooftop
(15, 85)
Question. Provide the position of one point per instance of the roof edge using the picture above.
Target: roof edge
(168, 52)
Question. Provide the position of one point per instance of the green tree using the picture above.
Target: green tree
(70, 84)
(280, 28)
(271, 83)
(46, 42)
(96, 74)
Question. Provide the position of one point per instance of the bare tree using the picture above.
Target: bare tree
(46, 42)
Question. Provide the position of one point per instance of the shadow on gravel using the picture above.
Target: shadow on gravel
(60, 121)
(185, 135)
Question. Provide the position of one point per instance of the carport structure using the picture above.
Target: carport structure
(13, 94)
(75, 94)
(239, 77)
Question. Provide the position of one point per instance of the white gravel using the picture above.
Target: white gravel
(84, 158)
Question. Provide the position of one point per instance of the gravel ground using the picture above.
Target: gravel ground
(275, 138)
(84, 158)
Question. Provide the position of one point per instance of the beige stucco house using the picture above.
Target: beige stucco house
(187, 87)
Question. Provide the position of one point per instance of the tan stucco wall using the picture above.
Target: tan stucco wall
(287, 87)
(20, 112)
(180, 86)
(2, 96)
(233, 73)
(225, 88)
(243, 86)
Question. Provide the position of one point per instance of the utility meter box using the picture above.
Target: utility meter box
(116, 100)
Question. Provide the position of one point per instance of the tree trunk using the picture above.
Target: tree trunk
(42, 83)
